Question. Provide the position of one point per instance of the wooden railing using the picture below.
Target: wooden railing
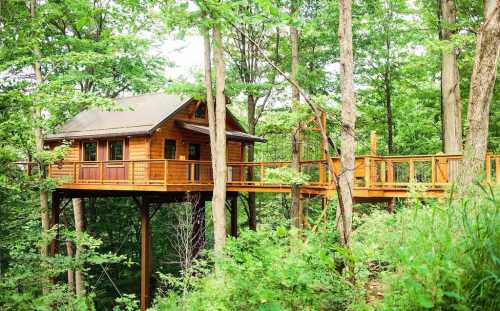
(370, 172)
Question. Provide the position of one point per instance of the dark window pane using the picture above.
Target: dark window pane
(170, 147)
(116, 150)
(200, 112)
(90, 152)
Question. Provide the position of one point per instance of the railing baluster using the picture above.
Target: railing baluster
(412, 171)
(74, 173)
(367, 173)
(165, 173)
(101, 172)
(497, 170)
(488, 168)
(382, 172)
(433, 172)
(262, 173)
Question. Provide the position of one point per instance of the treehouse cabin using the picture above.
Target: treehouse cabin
(129, 144)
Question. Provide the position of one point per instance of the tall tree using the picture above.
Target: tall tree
(348, 119)
(219, 192)
(450, 84)
(297, 211)
(78, 211)
(481, 89)
(38, 130)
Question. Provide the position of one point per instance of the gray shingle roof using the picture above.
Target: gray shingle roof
(135, 115)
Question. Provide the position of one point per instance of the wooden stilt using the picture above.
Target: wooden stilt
(234, 216)
(198, 221)
(56, 210)
(390, 205)
(145, 255)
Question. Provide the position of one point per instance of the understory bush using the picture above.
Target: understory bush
(440, 256)
(266, 270)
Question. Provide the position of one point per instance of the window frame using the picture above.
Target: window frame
(165, 148)
(108, 150)
(84, 143)
(202, 107)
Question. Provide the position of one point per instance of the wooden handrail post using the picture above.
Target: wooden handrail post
(382, 172)
(433, 172)
(488, 168)
(192, 172)
(390, 172)
(133, 172)
(101, 172)
(367, 173)
(165, 173)
(74, 172)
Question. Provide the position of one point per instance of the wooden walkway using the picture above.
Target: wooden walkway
(377, 178)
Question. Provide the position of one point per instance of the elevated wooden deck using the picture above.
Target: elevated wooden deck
(376, 177)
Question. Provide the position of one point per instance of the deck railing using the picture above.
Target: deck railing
(370, 172)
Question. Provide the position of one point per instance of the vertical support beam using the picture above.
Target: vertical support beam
(145, 255)
(488, 168)
(390, 172)
(412, 171)
(373, 143)
(198, 222)
(433, 172)
(56, 210)
(101, 171)
(234, 215)
(390, 205)
(382, 172)
(367, 173)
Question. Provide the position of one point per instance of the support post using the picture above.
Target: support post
(198, 222)
(56, 210)
(145, 254)
(234, 215)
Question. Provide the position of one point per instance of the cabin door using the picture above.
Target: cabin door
(194, 154)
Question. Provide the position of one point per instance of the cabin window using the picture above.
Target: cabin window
(115, 151)
(90, 151)
(200, 112)
(170, 148)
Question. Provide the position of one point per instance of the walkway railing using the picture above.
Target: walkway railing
(370, 172)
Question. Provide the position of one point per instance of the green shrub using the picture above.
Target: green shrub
(444, 256)
(269, 270)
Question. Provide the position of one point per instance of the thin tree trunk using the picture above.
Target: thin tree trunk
(297, 212)
(388, 99)
(348, 115)
(251, 201)
(481, 90)
(450, 85)
(38, 134)
(219, 192)
(79, 228)
(70, 254)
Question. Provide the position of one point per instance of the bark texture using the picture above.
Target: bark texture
(219, 192)
(297, 213)
(79, 228)
(348, 115)
(38, 134)
(450, 86)
(481, 90)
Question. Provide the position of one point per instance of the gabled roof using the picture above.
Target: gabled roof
(132, 116)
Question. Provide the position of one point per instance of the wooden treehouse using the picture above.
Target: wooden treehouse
(156, 149)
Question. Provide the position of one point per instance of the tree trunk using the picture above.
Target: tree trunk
(251, 201)
(450, 86)
(481, 89)
(388, 98)
(70, 254)
(348, 115)
(38, 134)
(219, 192)
(297, 212)
(79, 228)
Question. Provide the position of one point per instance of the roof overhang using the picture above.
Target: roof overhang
(231, 135)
